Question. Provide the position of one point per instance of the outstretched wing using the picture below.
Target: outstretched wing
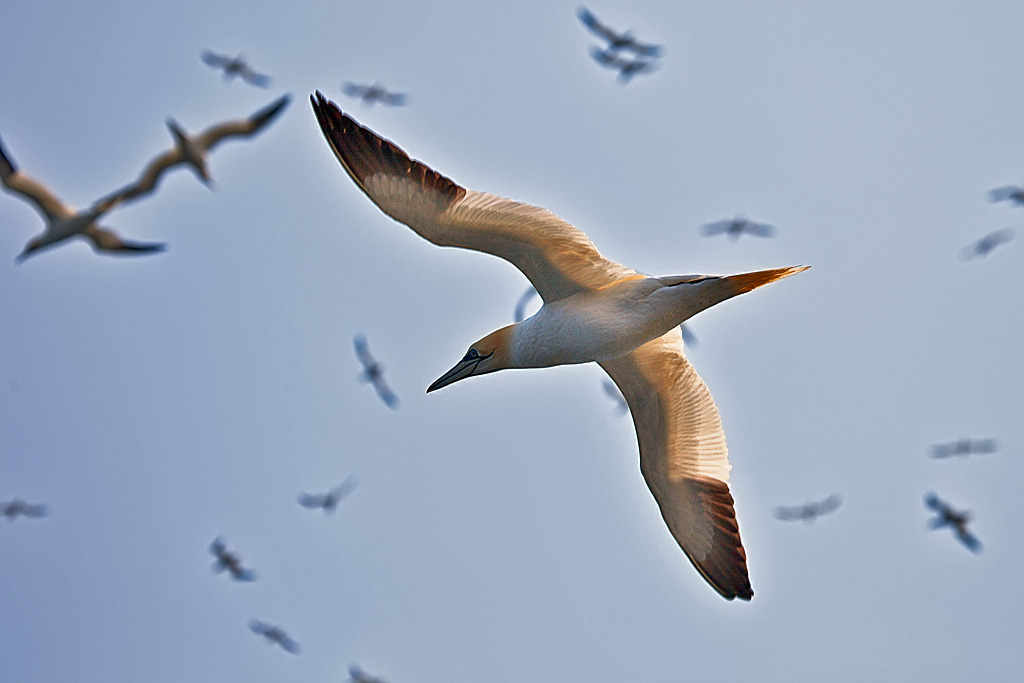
(558, 259)
(588, 19)
(32, 190)
(212, 136)
(684, 459)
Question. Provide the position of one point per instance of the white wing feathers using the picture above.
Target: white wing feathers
(684, 459)
(558, 259)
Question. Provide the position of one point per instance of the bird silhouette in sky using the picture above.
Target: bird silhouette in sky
(956, 520)
(191, 150)
(235, 66)
(982, 247)
(616, 41)
(1007, 193)
(275, 635)
(63, 222)
(734, 227)
(615, 395)
(357, 675)
(13, 509)
(373, 372)
(229, 561)
(328, 502)
(371, 94)
(964, 447)
(808, 512)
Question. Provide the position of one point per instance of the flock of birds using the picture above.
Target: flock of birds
(365, 156)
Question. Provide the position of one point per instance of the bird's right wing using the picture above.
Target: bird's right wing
(32, 190)
(684, 459)
(1003, 193)
(717, 228)
(108, 241)
(213, 135)
(588, 19)
(558, 259)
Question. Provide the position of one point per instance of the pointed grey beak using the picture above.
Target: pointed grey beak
(462, 370)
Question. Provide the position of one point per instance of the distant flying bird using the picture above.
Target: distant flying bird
(373, 372)
(982, 247)
(13, 509)
(357, 675)
(227, 560)
(374, 93)
(328, 502)
(627, 68)
(956, 520)
(594, 310)
(734, 227)
(689, 338)
(809, 512)
(615, 395)
(1010, 193)
(616, 41)
(63, 222)
(191, 150)
(275, 635)
(526, 298)
(964, 447)
(235, 66)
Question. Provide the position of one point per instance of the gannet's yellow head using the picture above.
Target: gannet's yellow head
(487, 355)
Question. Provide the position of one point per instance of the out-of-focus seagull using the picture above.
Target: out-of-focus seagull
(956, 520)
(275, 635)
(594, 310)
(235, 66)
(357, 675)
(1010, 193)
(526, 298)
(964, 447)
(63, 222)
(627, 68)
(13, 509)
(373, 372)
(328, 502)
(616, 40)
(370, 94)
(982, 247)
(808, 512)
(734, 227)
(227, 560)
(191, 150)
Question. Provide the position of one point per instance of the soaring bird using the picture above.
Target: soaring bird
(734, 227)
(191, 150)
(275, 635)
(616, 41)
(13, 509)
(227, 560)
(328, 502)
(809, 512)
(373, 372)
(1007, 193)
(370, 94)
(235, 66)
(964, 447)
(956, 520)
(627, 68)
(63, 222)
(981, 248)
(357, 675)
(594, 310)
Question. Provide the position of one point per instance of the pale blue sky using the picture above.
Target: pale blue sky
(501, 530)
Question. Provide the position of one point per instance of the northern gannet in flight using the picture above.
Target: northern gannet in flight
(227, 560)
(63, 222)
(594, 310)
(956, 520)
(374, 93)
(616, 40)
(328, 502)
(274, 635)
(191, 150)
(808, 512)
(964, 447)
(20, 508)
(734, 227)
(235, 66)
(373, 372)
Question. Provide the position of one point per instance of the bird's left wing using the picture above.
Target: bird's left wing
(684, 459)
(213, 135)
(558, 259)
(32, 190)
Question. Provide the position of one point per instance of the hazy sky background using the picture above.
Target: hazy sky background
(501, 530)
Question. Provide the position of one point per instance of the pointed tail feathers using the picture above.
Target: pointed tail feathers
(744, 282)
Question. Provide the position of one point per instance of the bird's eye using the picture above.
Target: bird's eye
(471, 355)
